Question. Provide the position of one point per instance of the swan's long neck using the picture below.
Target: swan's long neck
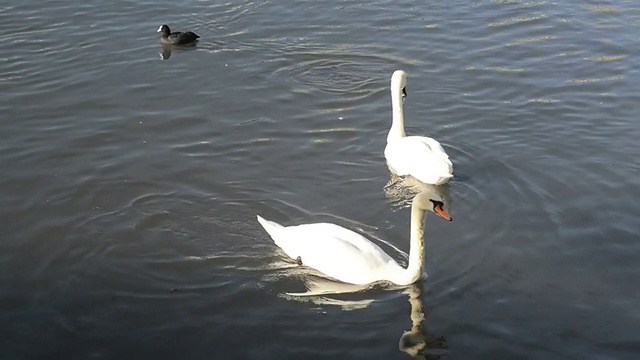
(397, 126)
(416, 250)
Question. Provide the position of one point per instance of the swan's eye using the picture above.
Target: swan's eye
(404, 93)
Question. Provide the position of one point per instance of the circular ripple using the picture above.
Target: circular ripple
(333, 72)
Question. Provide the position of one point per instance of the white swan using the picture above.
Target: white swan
(419, 156)
(350, 257)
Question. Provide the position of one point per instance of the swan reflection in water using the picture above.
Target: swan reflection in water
(401, 190)
(415, 341)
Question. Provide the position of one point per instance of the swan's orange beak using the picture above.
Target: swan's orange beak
(440, 211)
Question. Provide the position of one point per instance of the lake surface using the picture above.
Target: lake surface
(130, 183)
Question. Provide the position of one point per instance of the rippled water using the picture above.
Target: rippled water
(131, 183)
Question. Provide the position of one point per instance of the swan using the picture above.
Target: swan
(419, 156)
(349, 257)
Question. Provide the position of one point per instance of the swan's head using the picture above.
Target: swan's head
(438, 208)
(399, 82)
(428, 202)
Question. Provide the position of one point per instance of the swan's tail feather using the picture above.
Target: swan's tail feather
(271, 227)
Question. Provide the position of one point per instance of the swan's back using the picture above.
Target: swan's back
(421, 157)
(333, 250)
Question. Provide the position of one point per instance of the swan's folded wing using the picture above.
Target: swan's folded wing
(422, 157)
(335, 251)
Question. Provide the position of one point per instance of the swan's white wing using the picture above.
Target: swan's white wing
(335, 251)
(421, 157)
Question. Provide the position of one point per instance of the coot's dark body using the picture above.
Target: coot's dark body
(177, 38)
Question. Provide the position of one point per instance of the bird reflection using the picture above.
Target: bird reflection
(401, 190)
(165, 54)
(167, 50)
(415, 341)
(322, 291)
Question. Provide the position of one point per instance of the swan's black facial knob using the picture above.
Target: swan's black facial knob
(404, 93)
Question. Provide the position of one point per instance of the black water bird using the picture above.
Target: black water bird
(177, 38)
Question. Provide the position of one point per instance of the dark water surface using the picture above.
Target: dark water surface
(130, 184)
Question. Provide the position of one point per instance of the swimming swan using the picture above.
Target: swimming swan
(419, 156)
(350, 257)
